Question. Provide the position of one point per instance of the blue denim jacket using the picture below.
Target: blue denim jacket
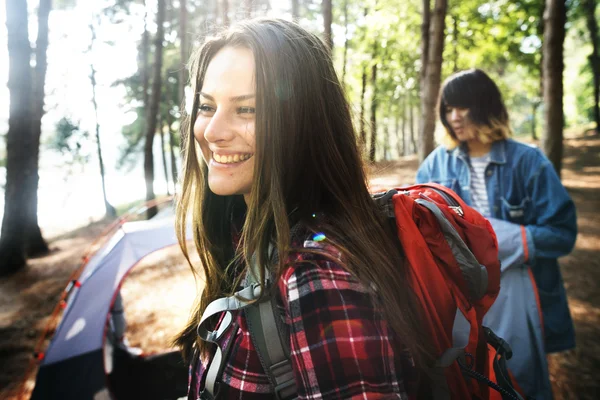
(523, 190)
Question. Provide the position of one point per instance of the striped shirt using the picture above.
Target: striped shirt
(341, 346)
(478, 188)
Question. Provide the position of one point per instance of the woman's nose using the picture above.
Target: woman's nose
(454, 115)
(219, 128)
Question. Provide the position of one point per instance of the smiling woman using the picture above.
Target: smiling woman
(274, 184)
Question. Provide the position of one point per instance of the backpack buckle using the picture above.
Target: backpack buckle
(501, 346)
(279, 390)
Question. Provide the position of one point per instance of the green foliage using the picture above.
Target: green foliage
(503, 37)
(70, 141)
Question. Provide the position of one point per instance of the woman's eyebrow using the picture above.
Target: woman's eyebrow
(235, 99)
(243, 97)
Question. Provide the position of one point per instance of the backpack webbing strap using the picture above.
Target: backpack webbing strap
(226, 305)
(270, 337)
(272, 351)
(474, 273)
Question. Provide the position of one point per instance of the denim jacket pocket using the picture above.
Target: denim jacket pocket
(556, 312)
(516, 212)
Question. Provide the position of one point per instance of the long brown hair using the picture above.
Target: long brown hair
(307, 160)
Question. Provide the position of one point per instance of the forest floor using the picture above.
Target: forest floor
(160, 290)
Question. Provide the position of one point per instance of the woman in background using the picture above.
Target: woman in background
(515, 186)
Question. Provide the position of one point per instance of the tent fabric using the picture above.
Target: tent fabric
(72, 353)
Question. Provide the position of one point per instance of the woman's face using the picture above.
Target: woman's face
(461, 124)
(224, 126)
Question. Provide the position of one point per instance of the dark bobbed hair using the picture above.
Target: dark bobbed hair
(307, 161)
(475, 90)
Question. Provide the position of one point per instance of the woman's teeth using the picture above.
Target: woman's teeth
(231, 159)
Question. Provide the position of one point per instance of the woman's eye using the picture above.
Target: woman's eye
(246, 110)
(206, 108)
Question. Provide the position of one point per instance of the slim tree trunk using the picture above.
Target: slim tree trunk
(455, 43)
(594, 58)
(36, 245)
(109, 209)
(183, 54)
(295, 10)
(247, 8)
(399, 135)
(144, 62)
(432, 79)
(533, 125)
(182, 79)
(19, 140)
(425, 41)
(154, 107)
(403, 104)
(386, 141)
(374, 101)
(554, 36)
(172, 151)
(225, 12)
(163, 152)
(327, 20)
(346, 44)
(145, 67)
(363, 131)
(413, 142)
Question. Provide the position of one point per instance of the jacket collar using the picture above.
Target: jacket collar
(497, 152)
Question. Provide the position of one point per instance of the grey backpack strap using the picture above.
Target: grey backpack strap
(474, 273)
(226, 305)
(270, 337)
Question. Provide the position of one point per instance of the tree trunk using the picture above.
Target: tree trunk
(403, 104)
(425, 41)
(247, 8)
(154, 107)
(374, 104)
(455, 43)
(182, 79)
(554, 36)
(225, 12)
(109, 209)
(36, 245)
(594, 58)
(172, 151)
(346, 44)
(295, 10)
(363, 131)
(183, 54)
(163, 153)
(411, 115)
(533, 125)
(327, 20)
(19, 141)
(432, 79)
(145, 67)
(387, 150)
(399, 136)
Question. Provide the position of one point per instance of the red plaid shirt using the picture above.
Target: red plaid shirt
(341, 347)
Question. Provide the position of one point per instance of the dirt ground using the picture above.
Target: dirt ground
(160, 290)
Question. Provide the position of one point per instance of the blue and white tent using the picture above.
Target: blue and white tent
(74, 364)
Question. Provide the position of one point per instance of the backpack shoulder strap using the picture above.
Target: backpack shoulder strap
(270, 337)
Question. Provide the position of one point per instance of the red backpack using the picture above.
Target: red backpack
(454, 270)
